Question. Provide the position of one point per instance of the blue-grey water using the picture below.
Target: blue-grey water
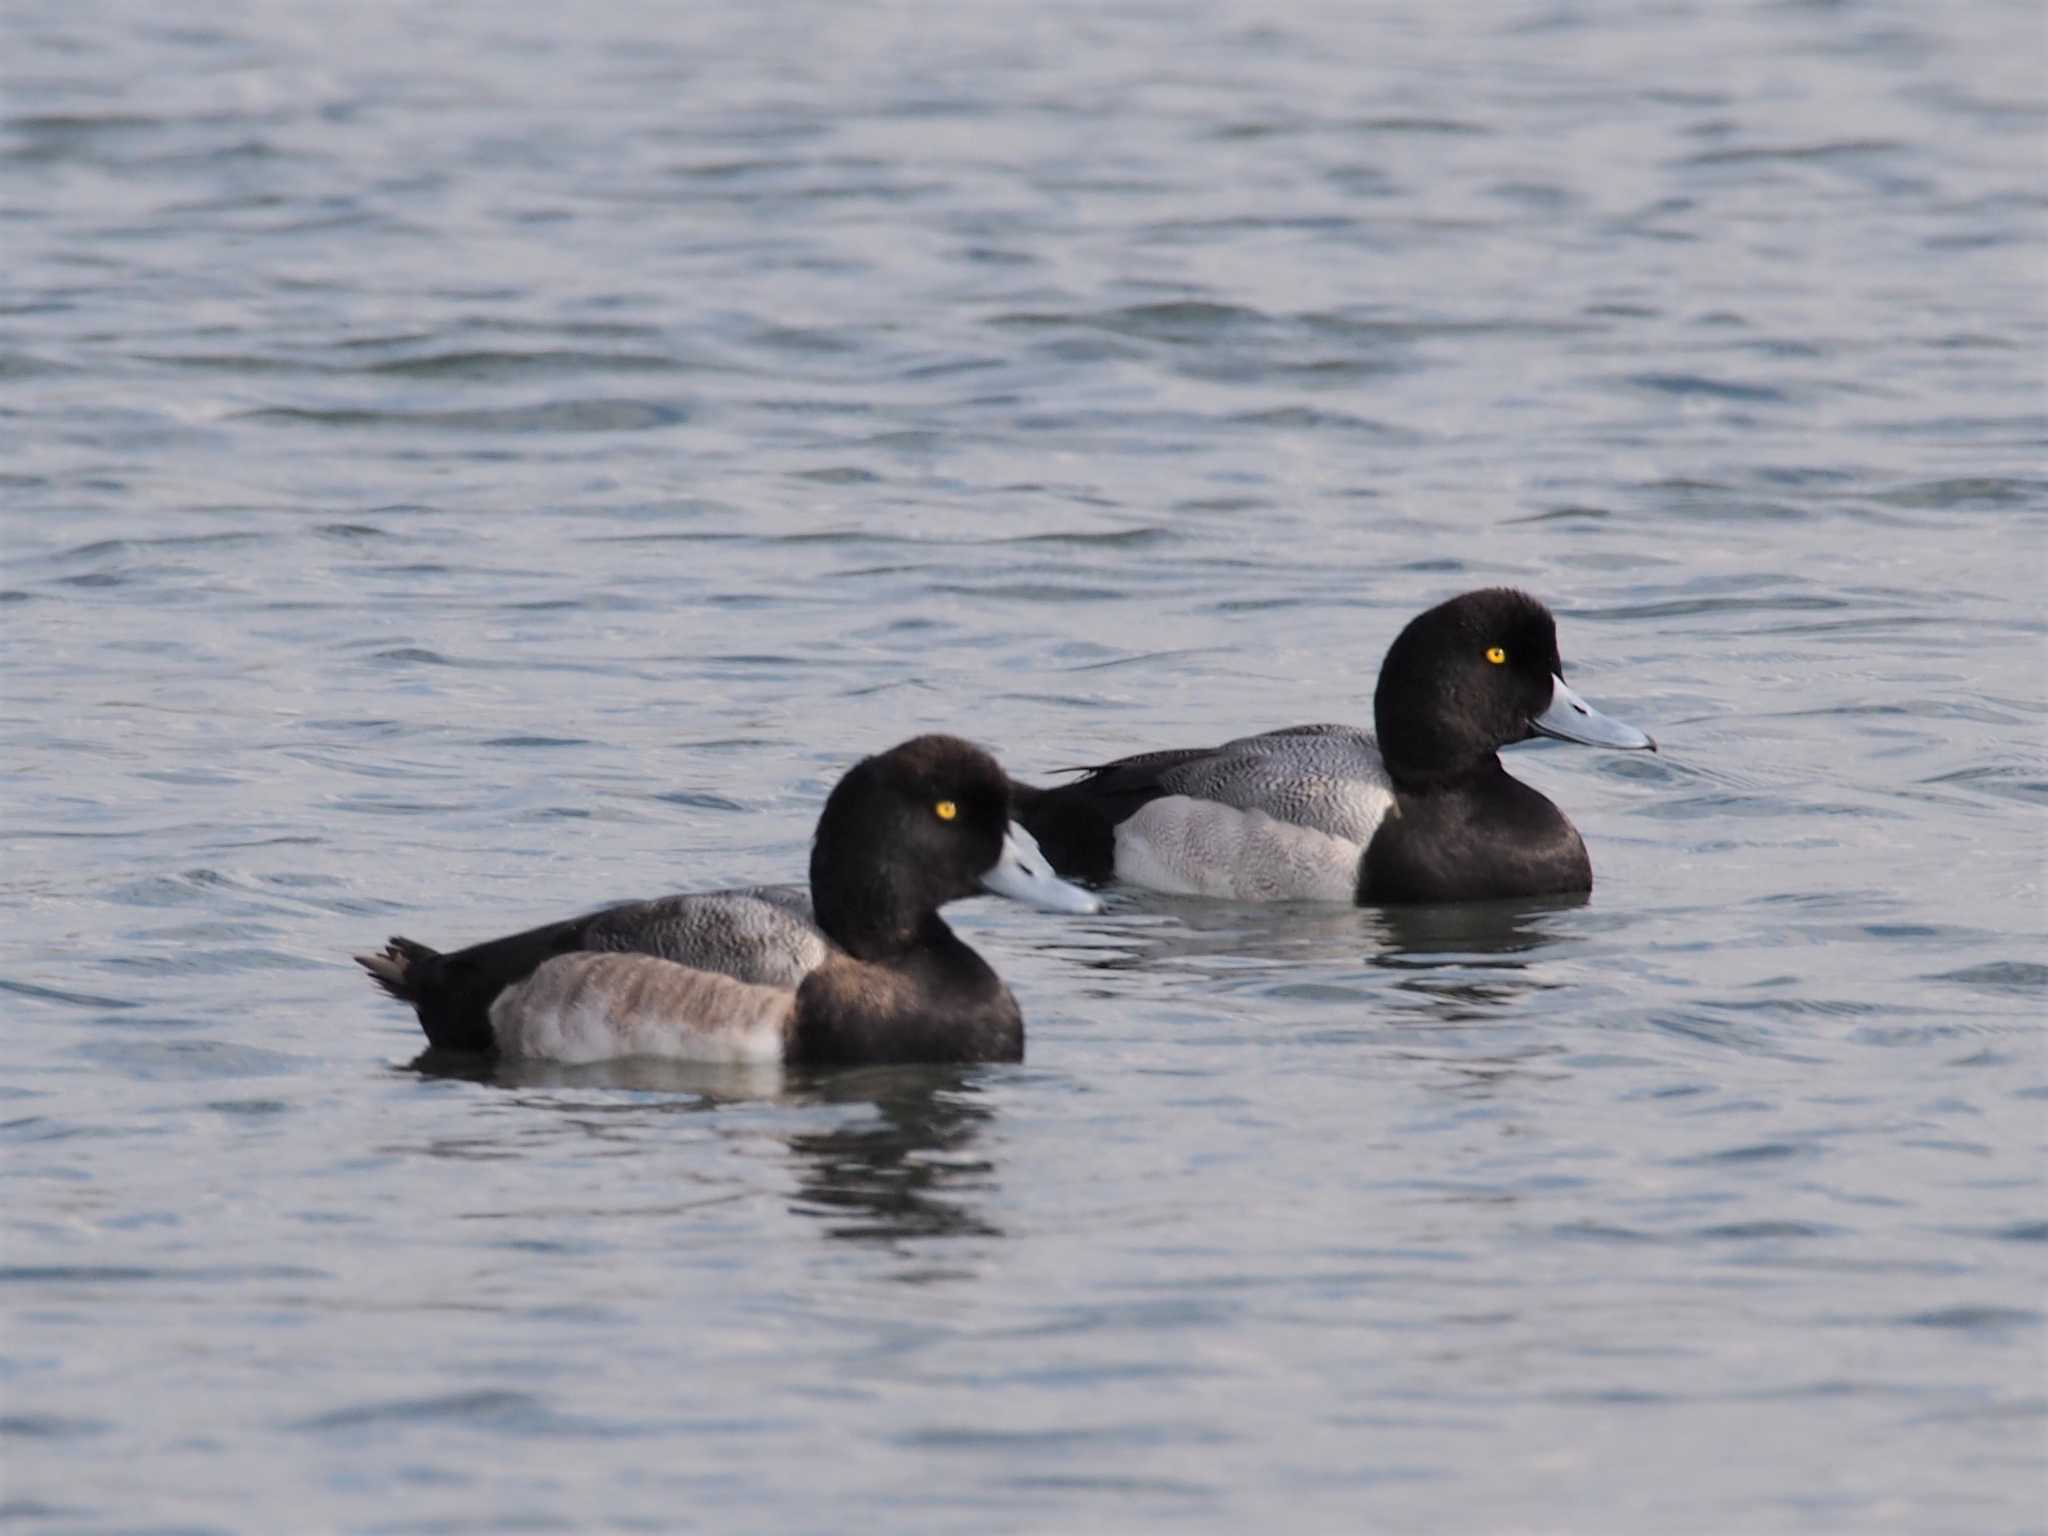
(465, 463)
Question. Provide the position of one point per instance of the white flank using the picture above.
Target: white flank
(1201, 848)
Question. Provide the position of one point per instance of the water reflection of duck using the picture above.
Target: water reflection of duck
(1449, 961)
(912, 1173)
(910, 1170)
(1278, 935)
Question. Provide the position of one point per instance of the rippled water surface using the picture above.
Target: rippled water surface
(460, 464)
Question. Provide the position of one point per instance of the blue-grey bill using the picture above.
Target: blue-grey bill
(1571, 718)
(1022, 874)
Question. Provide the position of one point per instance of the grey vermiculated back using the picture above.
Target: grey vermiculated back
(762, 934)
(1328, 777)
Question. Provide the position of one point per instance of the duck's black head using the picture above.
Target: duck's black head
(1472, 675)
(910, 829)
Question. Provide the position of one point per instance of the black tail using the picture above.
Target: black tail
(392, 967)
(444, 997)
(453, 993)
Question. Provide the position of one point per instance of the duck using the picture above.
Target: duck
(1417, 810)
(861, 970)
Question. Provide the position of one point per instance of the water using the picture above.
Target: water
(464, 463)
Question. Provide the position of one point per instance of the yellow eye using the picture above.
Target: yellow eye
(946, 810)
(1496, 655)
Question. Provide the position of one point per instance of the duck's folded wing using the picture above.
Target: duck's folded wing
(591, 1006)
(1141, 776)
(1326, 777)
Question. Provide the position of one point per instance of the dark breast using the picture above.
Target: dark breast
(1474, 845)
(849, 1011)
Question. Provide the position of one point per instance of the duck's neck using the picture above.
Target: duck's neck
(1440, 777)
(870, 929)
